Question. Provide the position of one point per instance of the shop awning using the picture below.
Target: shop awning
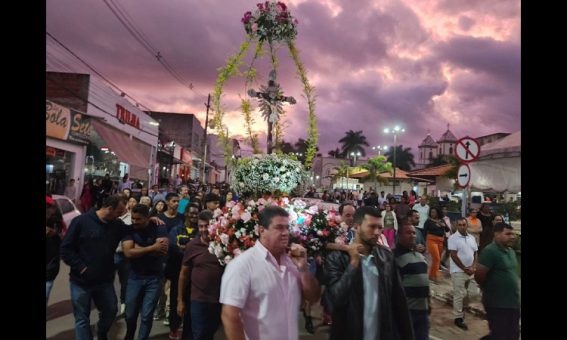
(128, 149)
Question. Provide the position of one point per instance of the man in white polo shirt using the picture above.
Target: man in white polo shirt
(463, 248)
(262, 289)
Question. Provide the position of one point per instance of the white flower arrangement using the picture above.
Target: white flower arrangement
(261, 173)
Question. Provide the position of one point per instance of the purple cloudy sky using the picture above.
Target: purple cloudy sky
(418, 63)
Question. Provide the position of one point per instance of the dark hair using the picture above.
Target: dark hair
(342, 207)
(205, 215)
(498, 227)
(363, 211)
(460, 218)
(438, 210)
(141, 209)
(192, 205)
(269, 213)
(212, 198)
(113, 201)
(171, 195)
(411, 212)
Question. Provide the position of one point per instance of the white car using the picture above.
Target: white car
(67, 209)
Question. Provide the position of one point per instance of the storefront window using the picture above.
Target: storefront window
(57, 170)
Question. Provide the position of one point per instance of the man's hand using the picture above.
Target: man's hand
(420, 248)
(157, 221)
(354, 250)
(298, 256)
(49, 232)
(160, 247)
(180, 308)
(469, 270)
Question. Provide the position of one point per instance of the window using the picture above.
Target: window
(430, 155)
(65, 205)
(451, 150)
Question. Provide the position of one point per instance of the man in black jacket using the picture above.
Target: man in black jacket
(88, 248)
(364, 286)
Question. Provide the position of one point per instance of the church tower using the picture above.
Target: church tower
(428, 150)
(447, 143)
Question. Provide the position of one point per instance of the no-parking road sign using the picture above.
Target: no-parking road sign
(463, 175)
(467, 149)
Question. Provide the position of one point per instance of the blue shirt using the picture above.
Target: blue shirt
(182, 204)
(370, 286)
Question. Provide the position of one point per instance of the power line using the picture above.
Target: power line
(122, 15)
(94, 70)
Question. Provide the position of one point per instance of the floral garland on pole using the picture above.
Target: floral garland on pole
(309, 92)
(270, 22)
(225, 73)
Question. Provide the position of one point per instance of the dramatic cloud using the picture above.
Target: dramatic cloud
(422, 64)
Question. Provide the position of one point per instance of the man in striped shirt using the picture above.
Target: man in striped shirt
(413, 271)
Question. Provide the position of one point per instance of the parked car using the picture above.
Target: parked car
(67, 209)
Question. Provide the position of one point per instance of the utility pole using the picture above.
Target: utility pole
(207, 105)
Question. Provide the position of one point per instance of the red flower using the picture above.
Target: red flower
(284, 7)
(247, 17)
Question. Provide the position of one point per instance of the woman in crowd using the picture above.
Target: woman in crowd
(390, 224)
(475, 225)
(159, 207)
(435, 229)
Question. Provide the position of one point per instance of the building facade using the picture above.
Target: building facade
(92, 130)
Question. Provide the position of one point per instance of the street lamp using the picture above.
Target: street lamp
(354, 155)
(395, 131)
(380, 148)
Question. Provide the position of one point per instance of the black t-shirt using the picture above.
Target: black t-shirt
(149, 264)
(171, 222)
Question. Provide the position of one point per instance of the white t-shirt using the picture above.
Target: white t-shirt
(423, 214)
(465, 247)
(268, 294)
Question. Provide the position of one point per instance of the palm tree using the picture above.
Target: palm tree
(343, 170)
(404, 157)
(376, 166)
(286, 147)
(353, 142)
(335, 153)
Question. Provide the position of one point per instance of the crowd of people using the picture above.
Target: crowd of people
(377, 286)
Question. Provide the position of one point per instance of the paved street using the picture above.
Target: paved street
(60, 320)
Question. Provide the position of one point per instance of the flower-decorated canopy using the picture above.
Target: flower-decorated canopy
(270, 23)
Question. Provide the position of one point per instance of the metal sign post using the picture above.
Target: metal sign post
(464, 202)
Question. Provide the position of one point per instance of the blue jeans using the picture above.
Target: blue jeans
(122, 265)
(205, 319)
(142, 295)
(105, 301)
(48, 286)
(420, 323)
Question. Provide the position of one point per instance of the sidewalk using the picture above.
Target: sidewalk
(443, 291)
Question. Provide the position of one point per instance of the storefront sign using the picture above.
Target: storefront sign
(80, 128)
(127, 117)
(53, 152)
(186, 157)
(57, 120)
(66, 124)
(177, 152)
